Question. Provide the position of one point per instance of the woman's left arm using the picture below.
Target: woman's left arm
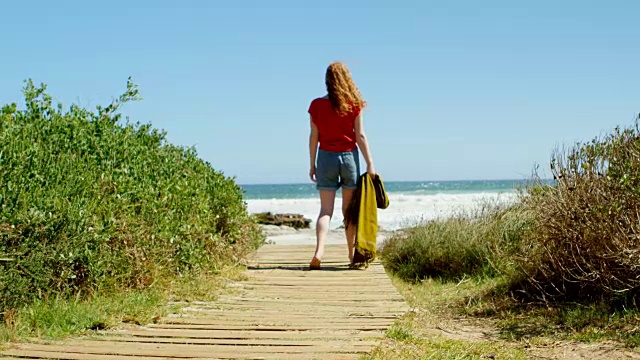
(363, 145)
(313, 150)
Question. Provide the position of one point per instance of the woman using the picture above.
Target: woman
(336, 125)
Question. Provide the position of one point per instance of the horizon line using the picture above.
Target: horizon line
(395, 181)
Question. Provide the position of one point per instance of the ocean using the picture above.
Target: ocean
(409, 202)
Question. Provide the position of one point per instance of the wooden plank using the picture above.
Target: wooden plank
(284, 322)
(263, 316)
(310, 306)
(277, 259)
(302, 288)
(346, 313)
(274, 315)
(333, 334)
(233, 342)
(340, 309)
(314, 292)
(341, 279)
(187, 351)
(291, 300)
(250, 327)
(333, 309)
(31, 354)
(328, 282)
(293, 269)
(301, 307)
(347, 288)
(306, 297)
(336, 269)
(39, 354)
(345, 309)
(327, 285)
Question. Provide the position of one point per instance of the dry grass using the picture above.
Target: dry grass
(479, 242)
(556, 271)
(586, 243)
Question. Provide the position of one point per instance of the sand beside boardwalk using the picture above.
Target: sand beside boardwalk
(284, 235)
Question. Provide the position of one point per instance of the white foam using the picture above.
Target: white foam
(404, 210)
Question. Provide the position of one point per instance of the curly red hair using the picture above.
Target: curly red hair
(342, 90)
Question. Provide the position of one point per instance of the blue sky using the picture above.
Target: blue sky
(456, 89)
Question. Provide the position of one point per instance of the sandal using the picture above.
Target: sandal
(315, 264)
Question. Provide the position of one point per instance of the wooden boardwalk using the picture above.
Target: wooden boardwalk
(280, 312)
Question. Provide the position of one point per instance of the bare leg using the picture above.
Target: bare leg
(327, 201)
(350, 230)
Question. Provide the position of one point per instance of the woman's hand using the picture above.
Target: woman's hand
(371, 170)
(312, 173)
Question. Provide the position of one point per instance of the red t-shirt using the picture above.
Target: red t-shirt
(336, 132)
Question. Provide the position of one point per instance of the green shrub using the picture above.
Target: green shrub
(88, 204)
(586, 243)
(472, 244)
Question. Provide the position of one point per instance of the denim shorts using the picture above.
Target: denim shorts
(337, 169)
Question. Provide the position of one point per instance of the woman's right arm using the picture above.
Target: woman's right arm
(313, 150)
(363, 145)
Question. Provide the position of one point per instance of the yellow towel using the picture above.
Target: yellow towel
(363, 213)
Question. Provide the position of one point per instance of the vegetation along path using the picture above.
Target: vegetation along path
(279, 312)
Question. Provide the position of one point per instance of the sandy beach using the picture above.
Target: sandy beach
(284, 235)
